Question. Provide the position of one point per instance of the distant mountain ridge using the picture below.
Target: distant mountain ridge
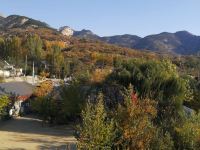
(181, 42)
(125, 40)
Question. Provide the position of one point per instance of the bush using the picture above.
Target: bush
(61, 105)
(4, 104)
(72, 99)
(157, 80)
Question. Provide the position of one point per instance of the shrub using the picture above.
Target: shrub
(4, 104)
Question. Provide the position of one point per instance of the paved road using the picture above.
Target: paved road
(27, 133)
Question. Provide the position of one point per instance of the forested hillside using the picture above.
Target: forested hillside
(119, 98)
(60, 54)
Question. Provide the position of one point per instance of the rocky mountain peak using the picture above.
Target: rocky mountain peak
(86, 34)
(67, 31)
(87, 31)
(182, 34)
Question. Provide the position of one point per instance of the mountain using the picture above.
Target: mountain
(1, 18)
(86, 34)
(1, 21)
(16, 21)
(67, 31)
(82, 55)
(190, 42)
(125, 40)
(163, 42)
(181, 42)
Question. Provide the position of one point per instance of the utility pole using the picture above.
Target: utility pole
(33, 73)
(25, 65)
(198, 73)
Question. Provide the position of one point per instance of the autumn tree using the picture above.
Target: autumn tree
(2, 47)
(134, 120)
(41, 92)
(16, 50)
(99, 75)
(34, 46)
(97, 130)
(43, 104)
(56, 60)
(6, 48)
(43, 89)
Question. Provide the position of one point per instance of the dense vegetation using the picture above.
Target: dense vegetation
(145, 110)
(58, 55)
(151, 114)
(121, 98)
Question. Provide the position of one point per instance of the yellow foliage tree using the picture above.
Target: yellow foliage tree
(43, 89)
(135, 122)
(99, 75)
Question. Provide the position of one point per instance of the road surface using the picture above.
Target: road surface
(27, 133)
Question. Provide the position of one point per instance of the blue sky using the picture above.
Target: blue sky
(112, 17)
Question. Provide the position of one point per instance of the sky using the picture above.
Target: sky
(111, 17)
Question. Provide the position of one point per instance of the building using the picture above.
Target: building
(20, 93)
(7, 70)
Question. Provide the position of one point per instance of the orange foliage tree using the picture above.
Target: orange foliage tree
(99, 75)
(135, 122)
(43, 89)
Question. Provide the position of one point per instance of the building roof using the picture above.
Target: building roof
(16, 88)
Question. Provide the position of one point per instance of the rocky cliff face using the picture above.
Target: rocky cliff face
(67, 31)
(16, 21)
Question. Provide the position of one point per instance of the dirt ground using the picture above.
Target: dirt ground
(27, 133)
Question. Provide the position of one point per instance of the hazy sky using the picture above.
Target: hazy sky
(111, 17)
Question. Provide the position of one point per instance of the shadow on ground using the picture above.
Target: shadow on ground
(33, 125)
(28, 131)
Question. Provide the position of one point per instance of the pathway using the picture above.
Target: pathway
(27, 133)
